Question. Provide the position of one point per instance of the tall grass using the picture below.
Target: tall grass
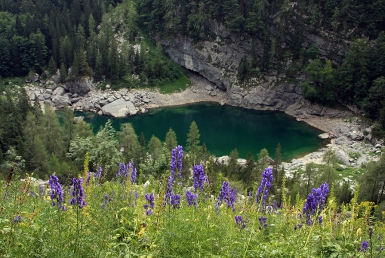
(113, 223)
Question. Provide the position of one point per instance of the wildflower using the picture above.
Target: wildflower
(123, 170)
(77, 193)
(320, 219)
(364, 246)
(17, 219)
(88, 178)
(176, 161)
(315, 202)
(240, 222)
(199, 177)
(56, 192)
(150, 199)
(106, 200)
(41, 191)
(133, 172)
(228, 195)
(175, 201)
(370, 232)
(263, 222)
(249, 196)
(148, 212)
(32, 193)
(191, 198)
(98, 173)
(267, 179)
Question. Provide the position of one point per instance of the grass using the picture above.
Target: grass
(175, 86)
(114, 224)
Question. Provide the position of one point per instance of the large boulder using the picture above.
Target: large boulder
(119, 108)
(80, 86)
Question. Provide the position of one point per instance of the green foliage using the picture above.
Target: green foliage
(192, 142)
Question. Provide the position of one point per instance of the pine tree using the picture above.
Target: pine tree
(193, 141)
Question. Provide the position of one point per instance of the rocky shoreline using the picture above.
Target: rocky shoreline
(344, 130)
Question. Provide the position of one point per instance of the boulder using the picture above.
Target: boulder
(61, 101)
(80, 86)
(59, 91)
(342, 156)
(356, 136)
(119, 108)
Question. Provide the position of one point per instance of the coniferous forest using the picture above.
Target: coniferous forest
(117, 194)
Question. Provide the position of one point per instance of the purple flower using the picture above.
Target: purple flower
(228, 195)
(148, 212)
(17, 219)
(32, 193)
(176, 161)
(320, 219)
(133, 172)
(56, 192)
(150, 199)
(315, 202)
(262, 222)
(364, 246)
(249, 196)
(199, 177)
(77, 193)
(175, 201)
(106, 200)
(240, 222)
(267, 179)
(41, 191)
(98, 173)
(88, 177)
(123, 170)
(191, 198)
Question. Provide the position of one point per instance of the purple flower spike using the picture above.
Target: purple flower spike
(315, 202)
(77, 193)
(175, 201)
(228, 195)
(267, 180)
(191, 198)
(56, 192)
(133, 172)
(176, 161)
(239, 220)
(98, 173)
(364, 246)
(150, 199)
(199, 177)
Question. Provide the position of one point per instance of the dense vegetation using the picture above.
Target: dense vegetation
(163, 218)
(81, 38)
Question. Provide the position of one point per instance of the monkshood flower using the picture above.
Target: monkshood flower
(105, 201)
(228, 195)
(239, 220)
(88, 177)
(167, 195)
(32, 193)
(199, 177)
(364, 246)
(176, 161)
(262, 222)
(150, 199)
(41, 191)
(56, 192)
(133, 172)
(315, 202)
(191, 198)
(98, 173)
(267, 180)
(77, 193)
(123, 170)
(175, 201)
(150, 205)
(17, 219)
(250, 196)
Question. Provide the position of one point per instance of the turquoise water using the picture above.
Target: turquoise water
(224, 128)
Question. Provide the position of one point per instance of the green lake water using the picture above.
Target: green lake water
(224, 128)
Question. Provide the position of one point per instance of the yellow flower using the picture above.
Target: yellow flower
(359, 232)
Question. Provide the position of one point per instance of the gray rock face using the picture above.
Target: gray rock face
(356, 136)
(81, 86)
(119, 108)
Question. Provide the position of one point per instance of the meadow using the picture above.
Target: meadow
(124, 217)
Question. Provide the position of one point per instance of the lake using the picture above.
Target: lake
(224, 128)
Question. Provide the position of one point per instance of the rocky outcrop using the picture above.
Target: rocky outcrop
(80, 86)
(119, 108)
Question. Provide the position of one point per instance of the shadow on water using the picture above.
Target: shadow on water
(224, 128)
